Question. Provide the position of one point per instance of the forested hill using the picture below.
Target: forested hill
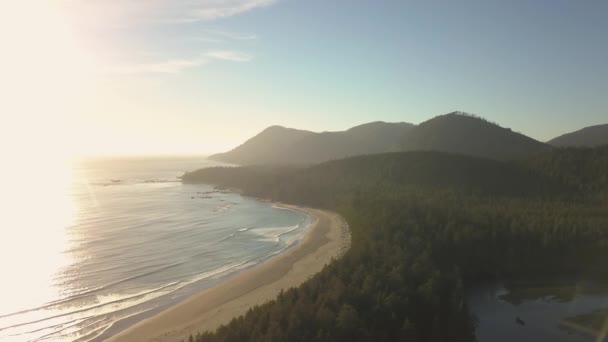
(466, 134)
(589, 136)
(556, 172)
(426, 226)
(455, 133)
(280, 145)
(419, 170)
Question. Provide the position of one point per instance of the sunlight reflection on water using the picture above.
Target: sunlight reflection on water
(84, 245)
(37, 212)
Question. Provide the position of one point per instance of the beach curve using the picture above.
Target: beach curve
(327, 238)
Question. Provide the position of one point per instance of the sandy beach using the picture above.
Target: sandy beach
(327, 238)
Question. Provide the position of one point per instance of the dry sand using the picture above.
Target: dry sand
(327, 238)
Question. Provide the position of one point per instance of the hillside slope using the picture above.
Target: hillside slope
(279, 145)
(375, 137)
(264, 147)
(586, 137)
(465, 134)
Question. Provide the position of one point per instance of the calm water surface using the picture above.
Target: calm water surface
(497, 318)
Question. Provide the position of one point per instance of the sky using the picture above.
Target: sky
(200, 76)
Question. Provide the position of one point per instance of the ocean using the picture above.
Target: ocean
(91, 248)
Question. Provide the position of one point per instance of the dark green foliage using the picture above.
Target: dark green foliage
(425, 227)
(392, 172)
(584, 169)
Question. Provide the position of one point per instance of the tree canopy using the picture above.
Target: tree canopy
(426, 226)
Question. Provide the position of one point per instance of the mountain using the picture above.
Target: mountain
(589, 137)
(279, 145)
(456, 132)
(264, 147)
(466, 134)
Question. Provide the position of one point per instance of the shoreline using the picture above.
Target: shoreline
(326, 238)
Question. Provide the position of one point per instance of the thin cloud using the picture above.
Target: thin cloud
(123, 13)
(176, 66)
(232, 35)
(216, 36)
(211, 10)
(205, 40)
(232, 56)
(172, 66)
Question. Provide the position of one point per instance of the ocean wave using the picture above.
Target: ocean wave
(92, 335)
(238, 231)
(277, 206)
(224, 239)
(290, 230)
(69, 325)
(118, 282)
(101, 337)
(223, 207)
(127, 302)
(273, 233)
(267, 233)
(65, 301)
(286, 247)
(61, 330)
(101, 304)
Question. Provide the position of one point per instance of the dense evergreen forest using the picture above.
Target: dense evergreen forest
(426, 226)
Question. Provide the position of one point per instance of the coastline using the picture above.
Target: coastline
(326, 238)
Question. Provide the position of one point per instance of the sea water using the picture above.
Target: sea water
(113, 241)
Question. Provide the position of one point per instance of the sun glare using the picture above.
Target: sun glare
(38, 210)
(44, 73)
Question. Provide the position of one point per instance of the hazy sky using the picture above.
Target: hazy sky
(133, 76)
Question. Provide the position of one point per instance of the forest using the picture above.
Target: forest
(426, 226)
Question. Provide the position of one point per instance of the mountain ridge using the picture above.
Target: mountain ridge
(590, 136)
(467, 134)
(455, 132)
(292, 146)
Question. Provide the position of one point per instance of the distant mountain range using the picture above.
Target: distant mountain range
(456, 132)
(587, 137)
(280, 145)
